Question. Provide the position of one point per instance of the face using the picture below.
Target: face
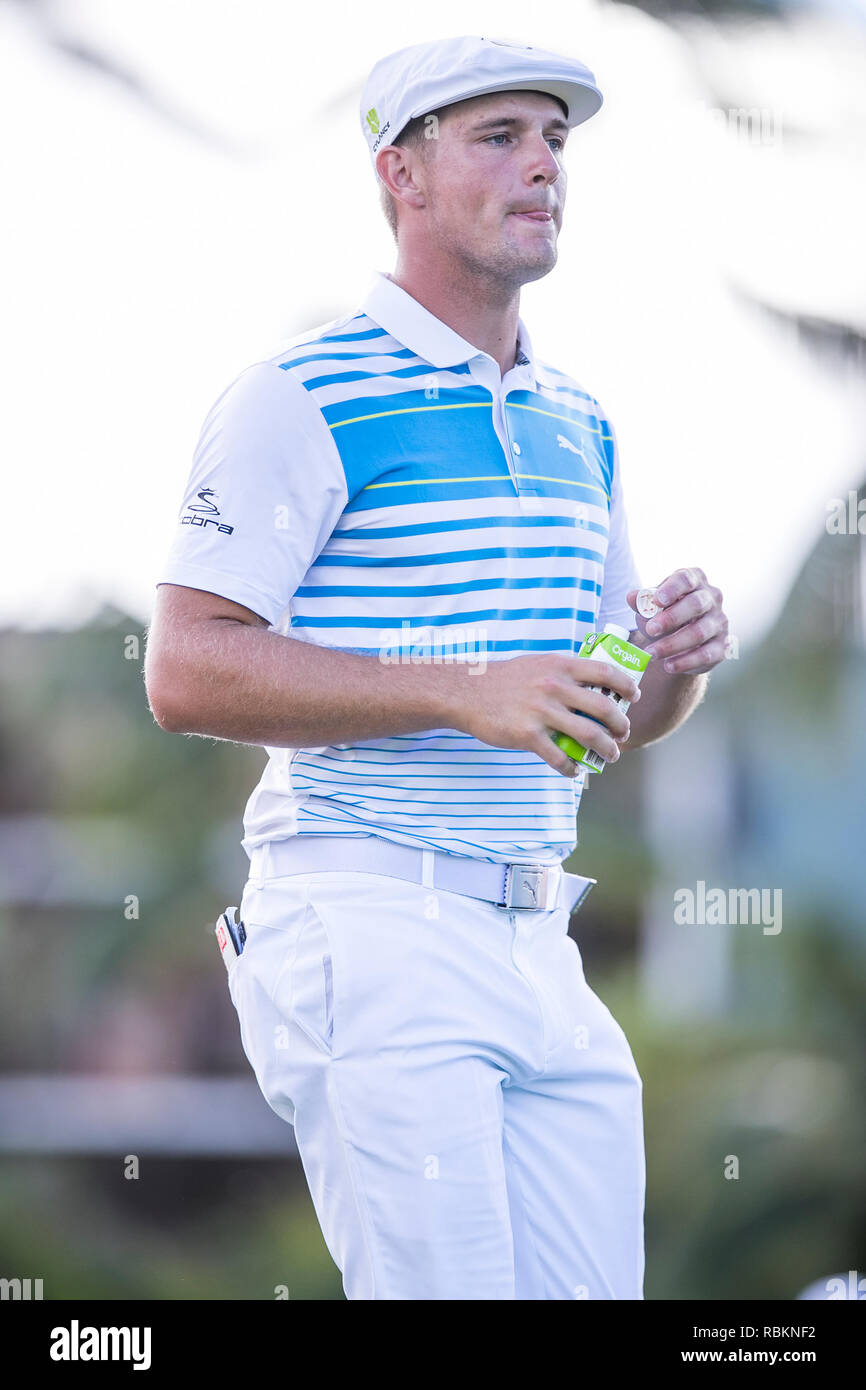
(494, 186)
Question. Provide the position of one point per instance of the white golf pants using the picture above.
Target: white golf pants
(467, 1111)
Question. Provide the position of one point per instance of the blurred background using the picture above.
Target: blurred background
(186, 186)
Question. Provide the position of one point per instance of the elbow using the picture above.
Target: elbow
(168, 722)
(162, 699)
(165, 714)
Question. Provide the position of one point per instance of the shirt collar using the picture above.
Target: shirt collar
(393, 309)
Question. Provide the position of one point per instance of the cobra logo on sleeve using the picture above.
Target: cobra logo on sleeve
(205, 512)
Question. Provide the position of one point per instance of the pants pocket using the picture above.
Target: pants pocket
(328, 968)
(302, 987)
(229, 958)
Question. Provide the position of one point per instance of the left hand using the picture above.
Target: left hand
(692, 628)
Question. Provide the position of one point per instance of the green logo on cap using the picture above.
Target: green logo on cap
(373, 120)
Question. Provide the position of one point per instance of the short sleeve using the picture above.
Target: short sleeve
(620, 571)
(265, 491)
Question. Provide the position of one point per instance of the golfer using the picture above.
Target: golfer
(395, 534)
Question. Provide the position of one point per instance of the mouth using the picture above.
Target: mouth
(537, 215)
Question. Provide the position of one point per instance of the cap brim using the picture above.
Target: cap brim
(581, 100)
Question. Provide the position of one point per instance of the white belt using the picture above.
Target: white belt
(515, 885)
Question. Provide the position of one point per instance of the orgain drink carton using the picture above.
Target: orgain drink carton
(612, 647)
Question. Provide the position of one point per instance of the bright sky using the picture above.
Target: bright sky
(148, 256)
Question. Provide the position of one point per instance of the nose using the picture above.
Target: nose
(542, 162)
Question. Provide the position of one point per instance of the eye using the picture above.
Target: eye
(556, 140)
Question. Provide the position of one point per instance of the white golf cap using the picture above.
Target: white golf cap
(420, 79)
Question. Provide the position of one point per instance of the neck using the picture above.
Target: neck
(480, 308)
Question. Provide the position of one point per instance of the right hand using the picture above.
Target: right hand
(523, 701)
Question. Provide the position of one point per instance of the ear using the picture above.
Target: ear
(395, 168)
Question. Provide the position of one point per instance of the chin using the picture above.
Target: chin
(533, 268)
(542, 255)
(515, 264)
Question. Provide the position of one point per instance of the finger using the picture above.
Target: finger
(554, 756)
(599, 707)
(590, 734)
(585, 671)
(699, 660)
(599, 717)
(694, 634)
(678, 584)
(680, 613)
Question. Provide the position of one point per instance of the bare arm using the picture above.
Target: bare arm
(667, 700)
(213, 668)
(690, 633)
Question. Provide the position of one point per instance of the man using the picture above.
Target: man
(395, 534)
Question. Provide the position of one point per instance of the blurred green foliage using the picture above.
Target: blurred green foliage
(776, 1078)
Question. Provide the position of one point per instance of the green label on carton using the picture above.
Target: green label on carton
(604, 646)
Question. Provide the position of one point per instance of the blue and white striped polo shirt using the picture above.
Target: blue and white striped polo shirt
(377, 486)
